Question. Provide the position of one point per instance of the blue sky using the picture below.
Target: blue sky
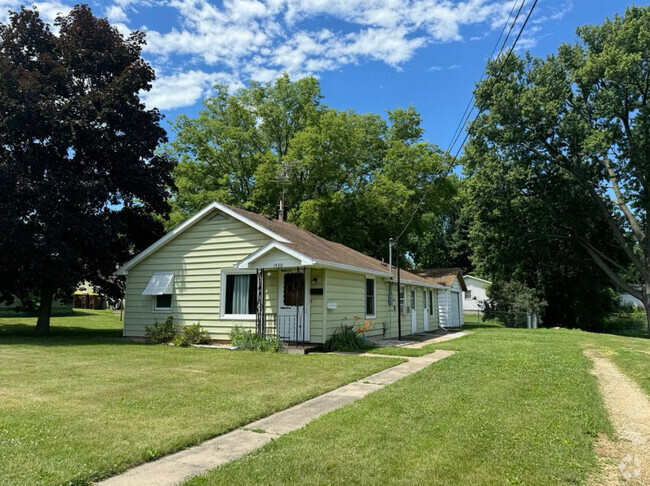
(369, 55)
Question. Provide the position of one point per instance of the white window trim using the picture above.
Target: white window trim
(222, 303)
(163, 310)
(374, 297)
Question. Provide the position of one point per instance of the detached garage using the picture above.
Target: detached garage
(450, 300)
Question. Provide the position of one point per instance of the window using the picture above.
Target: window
(430, 302)
(163, 302)
(294, 289)
(161, 288)
(468, 295)
(413, 299)
(402, 300)
(370, 297)
(241, 294)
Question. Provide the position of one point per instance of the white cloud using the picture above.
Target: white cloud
(239, 40)
(185, 88)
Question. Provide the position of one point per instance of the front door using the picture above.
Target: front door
(292, 323)
(414, 313)
(425, 310)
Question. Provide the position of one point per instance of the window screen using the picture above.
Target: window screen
(241, 294)
(294, 289)
(164, 301)
(370, 297)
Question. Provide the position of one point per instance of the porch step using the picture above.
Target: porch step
(302, 349)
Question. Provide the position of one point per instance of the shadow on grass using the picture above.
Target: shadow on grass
(70, 328)
(482, 325)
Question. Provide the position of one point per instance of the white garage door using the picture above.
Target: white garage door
(454, 311)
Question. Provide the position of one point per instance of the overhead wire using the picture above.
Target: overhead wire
(465, 117)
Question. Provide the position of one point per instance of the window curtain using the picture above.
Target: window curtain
(240, 295)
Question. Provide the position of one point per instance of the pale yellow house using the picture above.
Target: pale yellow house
(226, 266)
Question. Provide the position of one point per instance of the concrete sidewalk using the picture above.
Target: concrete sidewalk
(440, 339)
(175, 468)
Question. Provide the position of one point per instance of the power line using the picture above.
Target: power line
(501, 66)
(481, 108)
(470, 104)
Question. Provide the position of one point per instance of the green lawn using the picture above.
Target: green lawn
(83, 404)
(513, 406)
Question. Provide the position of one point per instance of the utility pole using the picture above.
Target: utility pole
(283, 176)
(399, 293)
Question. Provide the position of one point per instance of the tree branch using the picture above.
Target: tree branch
(620, 202)
(612, 274)
(583, 182)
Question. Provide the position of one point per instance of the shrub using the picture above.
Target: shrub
(192, 334)
(248, 340)
(347, 338)
(510, 303)
(162, 332)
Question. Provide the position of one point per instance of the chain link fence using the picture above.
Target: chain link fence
(510, 319)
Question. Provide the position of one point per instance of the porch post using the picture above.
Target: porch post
(259, 314)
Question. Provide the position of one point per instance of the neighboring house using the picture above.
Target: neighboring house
(450, 301)
(627, 299)
(86, 297)
(226, 267)
(475, 296)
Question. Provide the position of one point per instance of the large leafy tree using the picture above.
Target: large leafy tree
(78, 176)
(353, 178)
(521, 224)
(583, 114)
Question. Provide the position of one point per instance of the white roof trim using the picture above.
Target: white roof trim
(188, 224)
(274, 245)
(160, 283)
(476, 278)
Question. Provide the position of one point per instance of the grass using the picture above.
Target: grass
(631, 324)
(83, 404)
(513, 406)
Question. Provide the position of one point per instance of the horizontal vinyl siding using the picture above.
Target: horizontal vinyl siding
(196, 257)
(347, 289)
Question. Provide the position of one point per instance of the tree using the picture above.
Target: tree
(585, 112)
(521, 221)
(78, 176)
(349, 177)
(237, 140)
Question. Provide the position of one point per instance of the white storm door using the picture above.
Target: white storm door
(292, 322)
(414, 312)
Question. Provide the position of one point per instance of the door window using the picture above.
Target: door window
(294, 289)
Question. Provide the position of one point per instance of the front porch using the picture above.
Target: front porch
(290, 296)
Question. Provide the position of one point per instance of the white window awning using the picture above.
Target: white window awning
(160, 283)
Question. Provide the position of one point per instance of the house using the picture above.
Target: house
(475, 295)
(226, 266)
(450, 301)
(628, 300)
(86, 297)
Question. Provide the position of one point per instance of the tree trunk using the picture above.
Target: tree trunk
(646, 304)
(44, 311)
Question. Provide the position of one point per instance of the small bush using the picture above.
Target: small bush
(248, 340)
(162, 332)
(347, 338)
(192, 334)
